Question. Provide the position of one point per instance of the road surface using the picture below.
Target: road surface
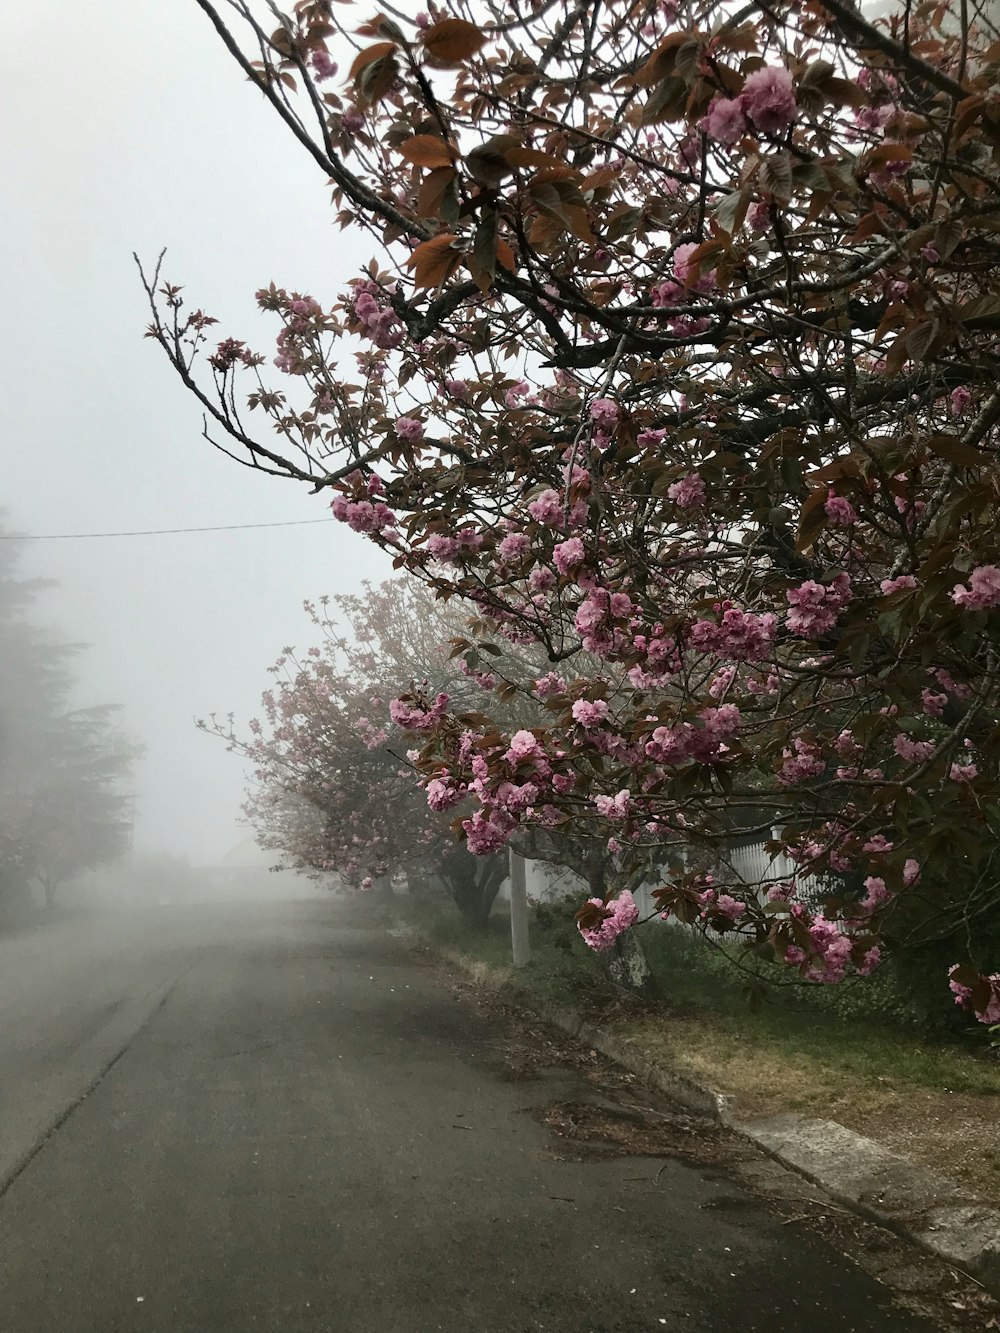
(265, 1117)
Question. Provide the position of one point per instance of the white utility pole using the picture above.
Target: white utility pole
(520, 946)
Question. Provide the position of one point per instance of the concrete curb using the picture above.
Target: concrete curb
(924, 1207)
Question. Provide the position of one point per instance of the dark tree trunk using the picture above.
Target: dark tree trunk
(474, 882)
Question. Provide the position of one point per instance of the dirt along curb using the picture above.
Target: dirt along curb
(921, 1205)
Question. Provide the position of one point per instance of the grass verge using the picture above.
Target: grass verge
(840, 1057)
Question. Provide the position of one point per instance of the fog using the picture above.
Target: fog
(132, 130)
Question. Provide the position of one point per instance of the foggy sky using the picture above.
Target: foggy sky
(129, 128)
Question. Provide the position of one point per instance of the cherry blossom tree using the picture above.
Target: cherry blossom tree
(336, 793)
(678, 350)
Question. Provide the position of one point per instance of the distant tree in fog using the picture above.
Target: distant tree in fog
(64, 800)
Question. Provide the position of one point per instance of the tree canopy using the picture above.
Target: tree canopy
(678, 349)
(64, 802)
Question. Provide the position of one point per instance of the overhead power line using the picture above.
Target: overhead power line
(150, 532)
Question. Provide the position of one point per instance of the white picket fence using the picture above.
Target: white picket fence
(755, 865)
(751, 863)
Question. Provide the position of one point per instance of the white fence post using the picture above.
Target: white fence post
(520, 946)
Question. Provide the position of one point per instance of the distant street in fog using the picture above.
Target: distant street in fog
(300, 1129)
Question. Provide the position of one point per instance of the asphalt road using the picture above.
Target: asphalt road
(263, 1117)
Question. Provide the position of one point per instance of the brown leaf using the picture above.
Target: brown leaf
(434, 261)
(954, 450)
(506, 257)
(427, 150)
(452, 40)
(376, 79)
(812, 520)
(663, 60)
(887, 152)
(433, 190)
(488, 163)
(368, 57)
(532, 157)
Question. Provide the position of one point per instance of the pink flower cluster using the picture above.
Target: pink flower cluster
(418, 716)
(839, 510)
(595, 616)
(409, 429)
(889, 586)
(960, 400)
(767, 100)
(363, 515)
(815, 606)
(963, 996)
(453, 549)
(378, 320)
(686, 269)
(705, 744)
(688, 493)
(983, 591)
(443, 793)
(876, 894)
(548, 685)
(914, 752)
(800, 762)
(604, 412)
(547, 509)
(513, 546)
(721, 907)
(614, 807)
(569, 555)
(739, 635)
(619, 916)
(324, 66)
(487, 831)
(589, 713)
(830, 953)
(523, 745)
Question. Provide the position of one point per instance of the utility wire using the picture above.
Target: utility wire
(149, 532)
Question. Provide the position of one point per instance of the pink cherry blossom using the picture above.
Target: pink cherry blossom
(605, 412)
(323, 64)
(568, 555)
(983, 591)
(620, 915)
(914, 752)
(934, 703)
(688, 493)
(768, 99)
(513, 546)
(523, 745)
(549, 684)
(409, 429)
(876, 894)
(800, 762)
(911, 872)
(589, 713)
(739, 635)
(547, 509)
(889, 586)
(839, 511)
(724, 121)
(614, 807)
(960, 400)
(815, 606)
